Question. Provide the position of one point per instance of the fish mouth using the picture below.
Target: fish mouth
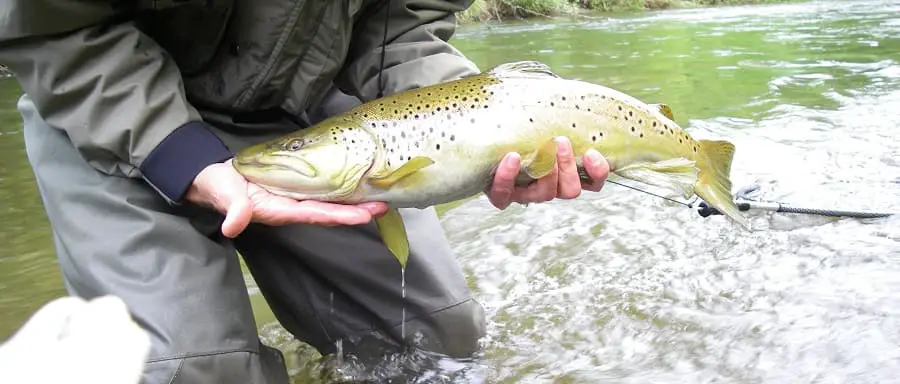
(266, 167)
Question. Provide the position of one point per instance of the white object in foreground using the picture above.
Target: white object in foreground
(70, 340)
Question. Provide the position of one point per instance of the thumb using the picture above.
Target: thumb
(240, 210)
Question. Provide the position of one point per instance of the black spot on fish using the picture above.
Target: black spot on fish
(438, 147)
(452, 137)
(530, 120)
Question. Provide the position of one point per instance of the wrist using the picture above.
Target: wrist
(176, 162)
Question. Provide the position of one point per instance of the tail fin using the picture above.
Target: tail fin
(714, 183)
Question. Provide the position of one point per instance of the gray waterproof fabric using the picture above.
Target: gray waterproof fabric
(120, 80)
(182, 279)
(127, 100)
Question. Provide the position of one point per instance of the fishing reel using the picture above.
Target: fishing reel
(741, 197)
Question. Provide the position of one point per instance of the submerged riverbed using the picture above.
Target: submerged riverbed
(620, 286)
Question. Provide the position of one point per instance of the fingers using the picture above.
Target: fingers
(277, 210)
(501, 190)
(542, 190)
(239, 208)
(569, 183)
(597, 168)
(375, 208)
(563, 182)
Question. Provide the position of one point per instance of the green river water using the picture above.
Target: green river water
(619, 286)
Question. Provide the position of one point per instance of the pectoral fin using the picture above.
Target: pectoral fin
(540, 162)
(412, 166)
(393, 234)
(677, 175)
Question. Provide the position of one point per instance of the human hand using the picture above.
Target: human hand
(219, 186)
(563, 182)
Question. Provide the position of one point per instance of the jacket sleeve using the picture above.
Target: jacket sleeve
(111, 88)
(417, 53)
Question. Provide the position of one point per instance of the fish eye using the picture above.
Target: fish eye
(294, 145)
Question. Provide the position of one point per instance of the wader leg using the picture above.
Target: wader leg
(341, 283)
(331, 283)
(181, 280)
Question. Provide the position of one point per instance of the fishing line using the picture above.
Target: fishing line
(744, 203)
(651, 193)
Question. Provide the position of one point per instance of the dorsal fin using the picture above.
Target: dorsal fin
(664, 109)
(528, 68)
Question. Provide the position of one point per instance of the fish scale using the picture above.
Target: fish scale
(443, 143)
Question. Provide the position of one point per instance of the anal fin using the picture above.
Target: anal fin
(541, 161)
(677, 175)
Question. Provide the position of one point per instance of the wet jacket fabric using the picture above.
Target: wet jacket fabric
(130, 81)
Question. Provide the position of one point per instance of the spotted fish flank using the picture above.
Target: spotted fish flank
(442, 143)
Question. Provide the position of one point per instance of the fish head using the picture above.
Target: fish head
(324, 162)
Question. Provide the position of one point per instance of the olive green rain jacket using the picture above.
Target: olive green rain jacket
(127, 79)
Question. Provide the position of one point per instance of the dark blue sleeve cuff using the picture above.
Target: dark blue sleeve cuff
(176, 161)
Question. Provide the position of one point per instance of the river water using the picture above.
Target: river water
(619, 286)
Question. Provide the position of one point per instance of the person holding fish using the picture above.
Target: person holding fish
(132, 112)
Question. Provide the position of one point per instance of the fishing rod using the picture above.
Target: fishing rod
(745, 203)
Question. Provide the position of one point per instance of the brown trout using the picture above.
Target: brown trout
(442, 143)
